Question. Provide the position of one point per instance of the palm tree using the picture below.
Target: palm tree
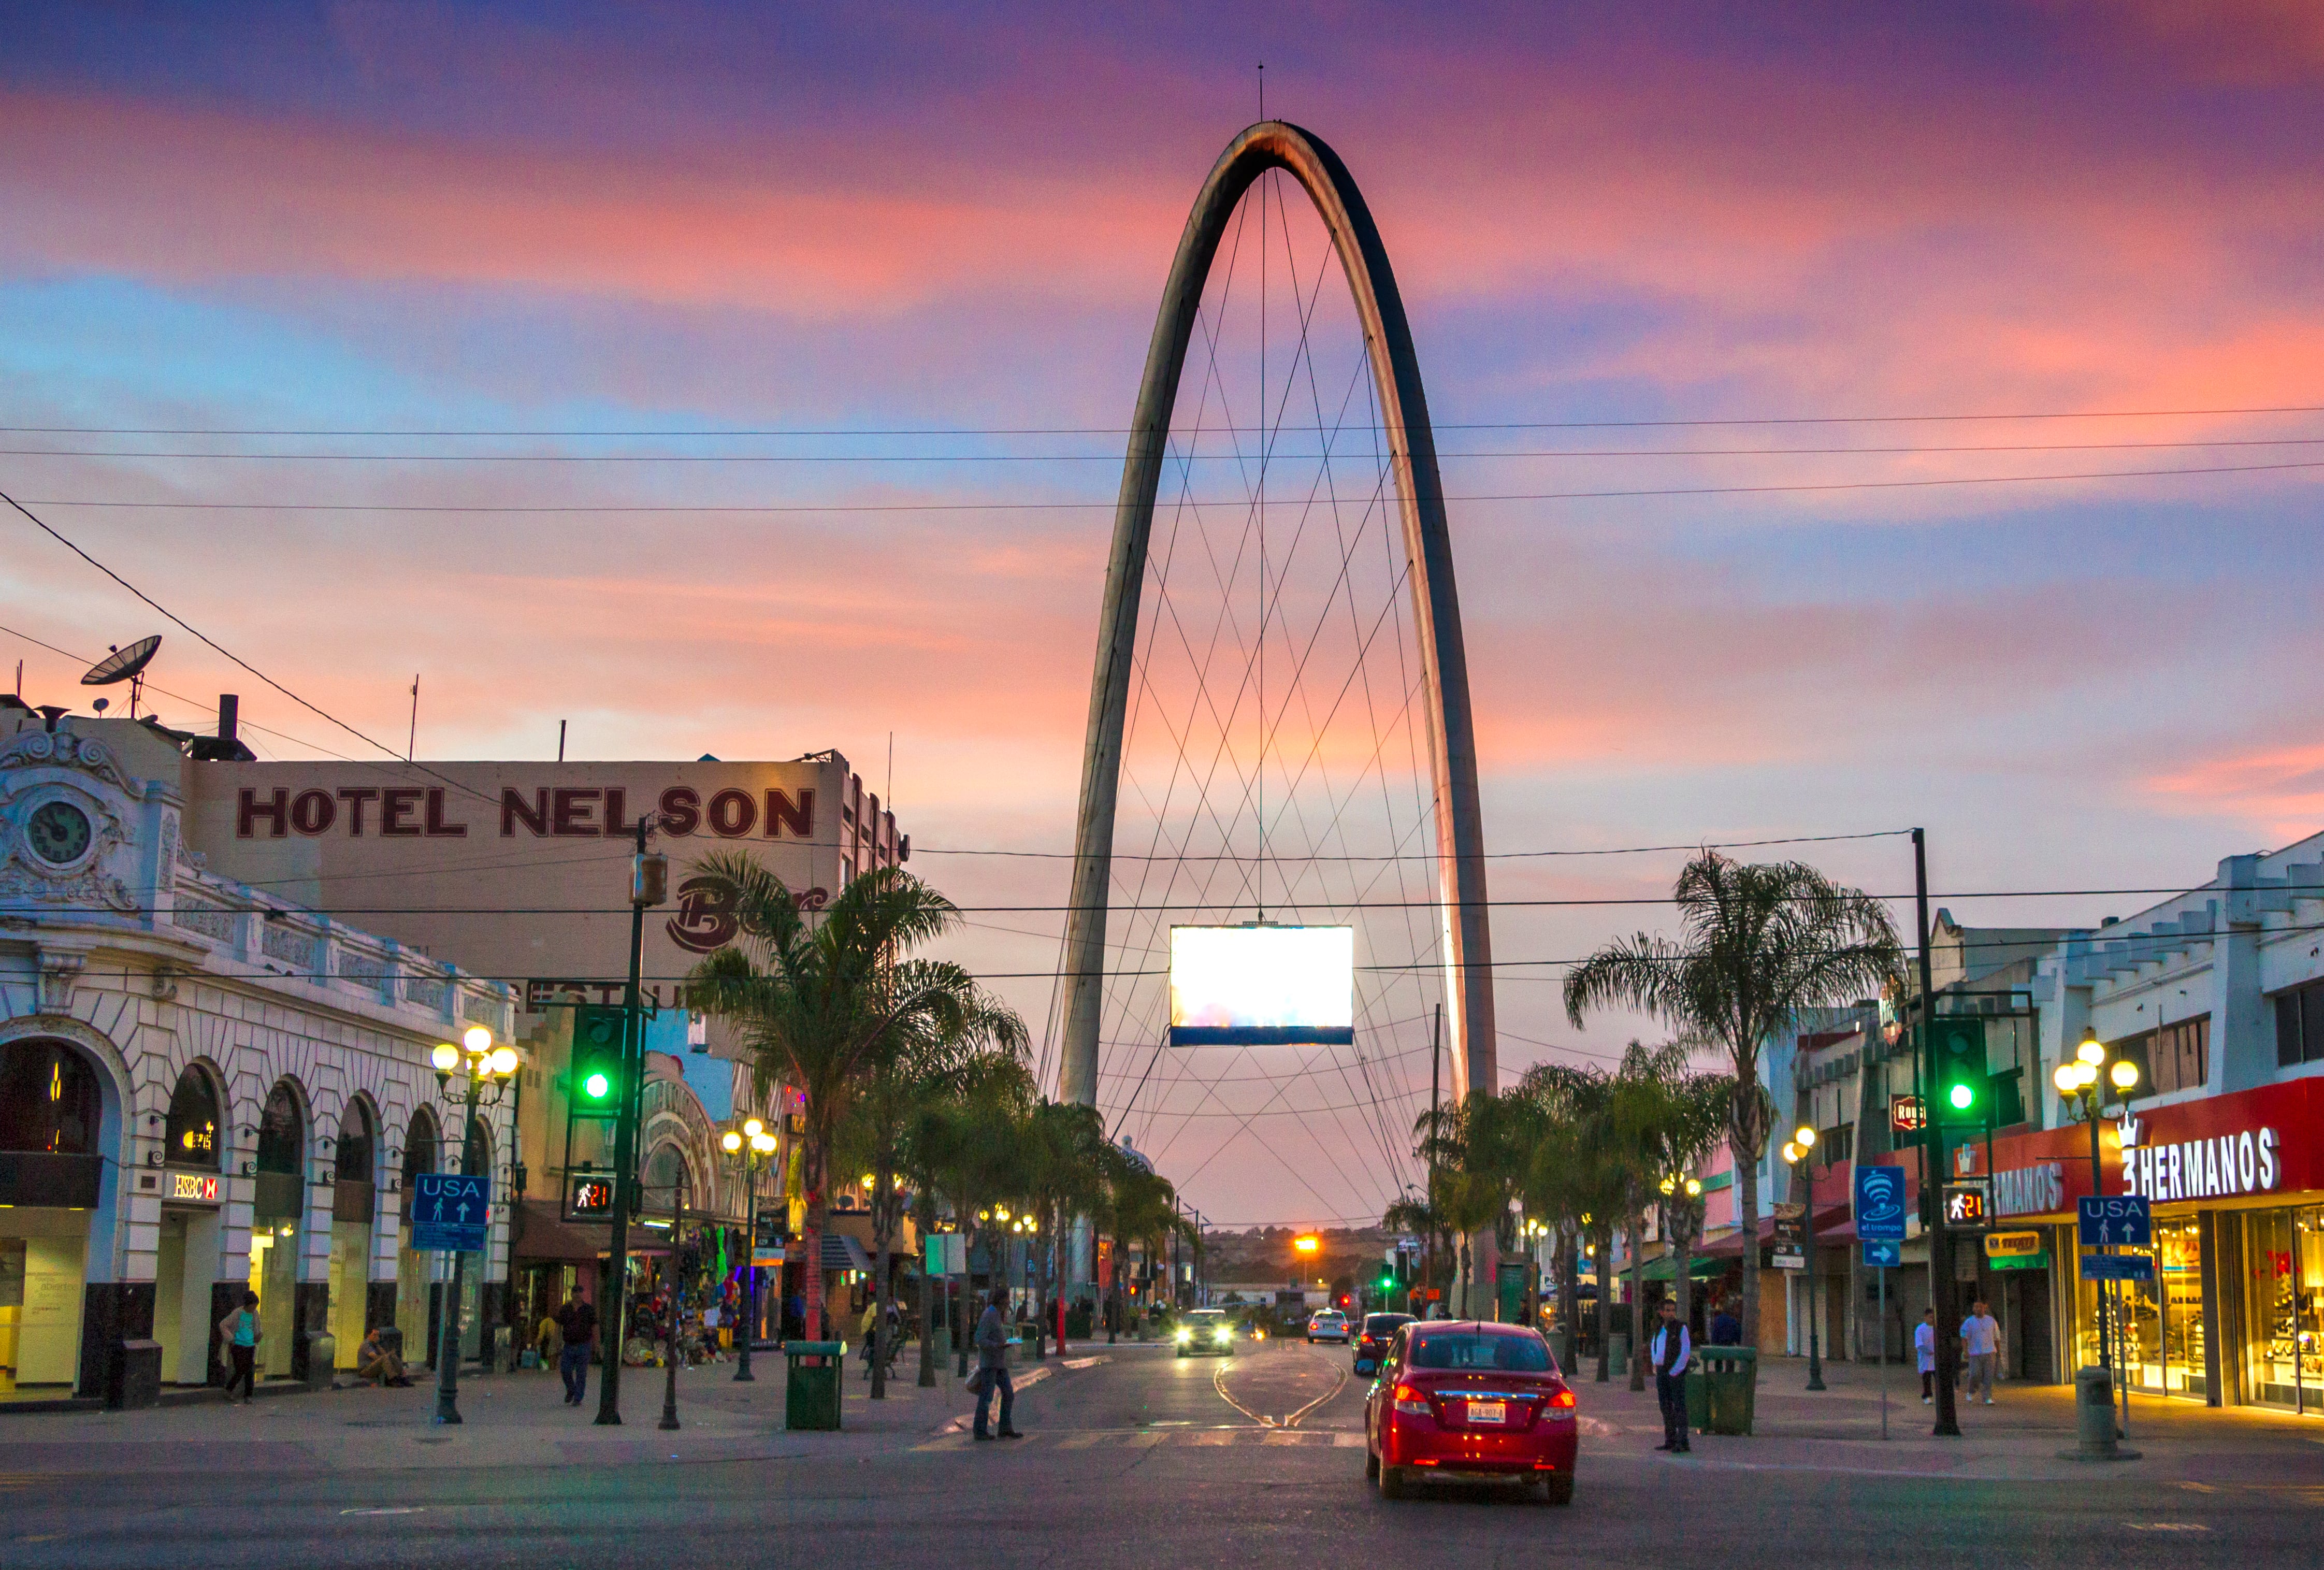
(973, 1145)
(1141, 1208)
(1475, 1149)
(823, 1007)
(1762, 943)
(1673, 1115)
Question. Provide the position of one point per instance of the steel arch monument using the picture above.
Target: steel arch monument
(1420, 500)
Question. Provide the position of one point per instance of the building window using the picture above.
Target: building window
(2299, 1026)
(49, 1100)
(282, 1134)
(2175, 1057)
(191, 1135)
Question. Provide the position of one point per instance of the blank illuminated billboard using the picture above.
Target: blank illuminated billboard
(1242, 986)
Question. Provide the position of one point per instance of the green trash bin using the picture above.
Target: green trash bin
(1730, 1379)
(1698, 1399)
(811, 1396)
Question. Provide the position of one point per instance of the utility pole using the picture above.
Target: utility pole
(649, 885)
(1932, 1162)
(1435, 1066)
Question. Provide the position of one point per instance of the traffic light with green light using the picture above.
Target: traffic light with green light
(1963, 1088)
(594, 1086)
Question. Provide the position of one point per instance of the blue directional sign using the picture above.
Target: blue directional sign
(2117, 1221)
(2117, 1267)
(451, 1211)
(1880, 1203)
(1880, 1255)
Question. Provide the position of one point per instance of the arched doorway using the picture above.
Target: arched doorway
(275, 1222)
(421, 1141)
(51, 1118)
(186, 1262)
(354, 1152)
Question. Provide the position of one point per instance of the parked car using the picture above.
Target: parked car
(1474, 1402)
(1372, 1340)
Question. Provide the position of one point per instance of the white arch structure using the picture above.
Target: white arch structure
(1420, 501)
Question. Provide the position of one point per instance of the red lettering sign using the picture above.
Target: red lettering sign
(314, 811)
(249, 810)
(397, 804)
(575, 811)
(515, 810)
(733, 813)
(437, 827)
(356, 796)
(681, 811)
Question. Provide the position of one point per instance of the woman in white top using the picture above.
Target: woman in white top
(1924, 1352)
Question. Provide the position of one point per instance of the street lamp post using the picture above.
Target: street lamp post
(753, 1147)
(481, 1068)
(2086, 1086)
(1800, 1153)
(676, 1284)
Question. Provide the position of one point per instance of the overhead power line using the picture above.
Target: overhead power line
(629, 508)
(825, 431)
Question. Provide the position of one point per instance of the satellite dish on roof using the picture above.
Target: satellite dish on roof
(124, 665)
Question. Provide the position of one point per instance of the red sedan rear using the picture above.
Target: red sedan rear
(1461, 1400)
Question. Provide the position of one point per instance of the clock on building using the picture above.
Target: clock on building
(58, 832)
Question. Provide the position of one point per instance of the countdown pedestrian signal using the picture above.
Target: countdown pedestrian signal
(594, 1087)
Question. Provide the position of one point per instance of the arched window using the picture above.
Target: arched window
(356, 1146)
(49, 1099)
(418, 1147)
(666, 1171)
(477, 1154)
(282, 1134)
(190, 1136)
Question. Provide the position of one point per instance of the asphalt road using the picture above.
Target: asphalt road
(1144, 1459)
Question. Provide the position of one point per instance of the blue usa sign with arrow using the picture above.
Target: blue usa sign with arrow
(451, 1211)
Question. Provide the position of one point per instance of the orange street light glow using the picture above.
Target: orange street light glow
(1307, 1245)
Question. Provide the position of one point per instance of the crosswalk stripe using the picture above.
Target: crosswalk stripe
(1080, 1440)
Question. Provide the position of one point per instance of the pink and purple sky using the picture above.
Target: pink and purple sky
(409, 218)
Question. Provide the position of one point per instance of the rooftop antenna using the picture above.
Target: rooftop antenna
(1262, 90)
(124, 665)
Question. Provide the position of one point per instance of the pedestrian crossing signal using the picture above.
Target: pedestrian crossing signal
(595, 1084)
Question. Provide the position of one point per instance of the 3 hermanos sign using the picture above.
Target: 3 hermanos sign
(520, 871)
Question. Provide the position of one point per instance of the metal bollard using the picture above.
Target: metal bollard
(2093, 1419)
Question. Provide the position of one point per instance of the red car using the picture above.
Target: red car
(1476, 1402)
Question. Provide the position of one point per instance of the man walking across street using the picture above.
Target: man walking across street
(1980, 1335)
(993, 1366)
(1924, 1353)
(577, 1322)
(1672, 1351)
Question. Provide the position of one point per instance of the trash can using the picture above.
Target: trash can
(1698, 1397)
(811, 1395)
(1730, 1379)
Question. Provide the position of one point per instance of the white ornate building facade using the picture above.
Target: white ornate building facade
(205, 1090)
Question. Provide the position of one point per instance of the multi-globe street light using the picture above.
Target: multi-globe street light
(2086, 1086)
(483, 1072)
(1800, 1153)
(752, 1147)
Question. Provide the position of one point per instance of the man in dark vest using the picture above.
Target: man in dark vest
(1673, 1354)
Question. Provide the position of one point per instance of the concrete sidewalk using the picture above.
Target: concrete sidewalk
(2018, 1437)
(517, 1419)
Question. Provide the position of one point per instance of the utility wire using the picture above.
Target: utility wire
(813, 508)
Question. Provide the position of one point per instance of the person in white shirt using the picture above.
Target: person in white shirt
(1980, 1335)
(1924, 1352)
(1673, 1352)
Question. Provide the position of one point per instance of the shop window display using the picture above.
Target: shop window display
(2167, 1347)
(2284, 1306)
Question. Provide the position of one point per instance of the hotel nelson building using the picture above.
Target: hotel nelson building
(220, 980)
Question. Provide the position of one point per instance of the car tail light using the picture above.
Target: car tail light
(1562, 1399)
(1411, 1399)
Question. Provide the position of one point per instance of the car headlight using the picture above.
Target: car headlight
(1185, 1335)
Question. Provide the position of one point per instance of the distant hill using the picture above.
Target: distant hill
(1265, 1254)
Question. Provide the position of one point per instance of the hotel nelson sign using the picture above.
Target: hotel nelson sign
(440, 857)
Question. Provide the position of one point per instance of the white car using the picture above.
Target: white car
(1207, 1330)
(1327, 1325)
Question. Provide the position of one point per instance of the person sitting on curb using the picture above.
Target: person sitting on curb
(375, 1364)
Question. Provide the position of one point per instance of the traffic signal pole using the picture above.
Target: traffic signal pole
(1932, 1160)
(610, 1329)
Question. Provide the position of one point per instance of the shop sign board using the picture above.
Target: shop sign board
(1998, 1244)
(2208, 1167)
(1905, 1115)
(2033, 1261)
(2117, 1267)
(1880, 1203)
(2117, 1221)
(198, 1185)
(947, 1253)
(451, 1211)
(1881, 1255)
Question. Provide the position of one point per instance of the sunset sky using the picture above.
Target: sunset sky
(411, 218)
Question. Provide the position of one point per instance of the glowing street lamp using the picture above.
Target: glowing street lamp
(753, 1148)
(481, 1072)
(1799, 1152)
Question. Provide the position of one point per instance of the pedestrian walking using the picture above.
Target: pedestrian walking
(577, 1322)
(993, 1367)
(1924, 1353)
(1726, 1330)
(1980, 1335)
(1672, 1351)
(240, 1331)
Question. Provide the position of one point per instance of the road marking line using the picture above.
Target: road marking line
(949, 1442)
(2166, 1526)
(386, 1510)
(1216, 1436)
(1347, 1439)
(1084, 1362)
(1080, 1441)
(1146, 1441)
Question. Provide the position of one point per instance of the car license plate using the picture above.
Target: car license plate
(1488, 1411)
